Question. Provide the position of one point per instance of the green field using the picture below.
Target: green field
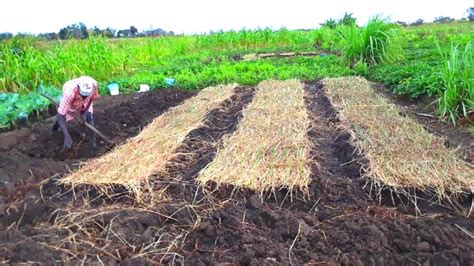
(438, 63)
(431, 60)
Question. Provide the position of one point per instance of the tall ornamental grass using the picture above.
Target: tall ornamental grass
(457, 72)
(377, 42)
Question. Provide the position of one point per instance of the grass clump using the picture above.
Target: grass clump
(457, 72)
(377, 42)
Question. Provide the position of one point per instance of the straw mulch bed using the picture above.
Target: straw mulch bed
(269, 149)
(401, 154)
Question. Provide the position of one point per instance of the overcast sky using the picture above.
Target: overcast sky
(197, 16)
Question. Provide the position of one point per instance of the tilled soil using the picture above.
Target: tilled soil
(30, 155)
(337, 223)
(200, 146)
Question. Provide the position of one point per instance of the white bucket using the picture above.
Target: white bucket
(144, 87)
(113, 88)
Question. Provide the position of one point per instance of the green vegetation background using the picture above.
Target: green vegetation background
(433, 60)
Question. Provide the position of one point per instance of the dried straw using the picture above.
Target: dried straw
(146, 154)
(401, 154)
(269, 149)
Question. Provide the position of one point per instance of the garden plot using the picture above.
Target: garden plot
(146, 154)
(189, 224)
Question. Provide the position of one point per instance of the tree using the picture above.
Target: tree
(63, 33)
(470, 13)
(133, 31)
(330, 23)
(123, 33)
(402, 23)
(83, 33)
(418, 22)
(5, 35)
(25, 35)
(78, 31)
(442, 19)
(109, 32)
(347, 19)
(49, 36)
(96, 31)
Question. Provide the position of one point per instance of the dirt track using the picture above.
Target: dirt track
(339, 223)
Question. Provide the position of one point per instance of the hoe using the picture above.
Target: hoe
(76, 117)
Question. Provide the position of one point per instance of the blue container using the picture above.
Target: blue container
(170, 81)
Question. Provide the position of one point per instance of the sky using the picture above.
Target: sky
(201, 16)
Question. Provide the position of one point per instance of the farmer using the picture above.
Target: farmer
(77, 98)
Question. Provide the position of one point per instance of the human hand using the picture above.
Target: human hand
(67, 143)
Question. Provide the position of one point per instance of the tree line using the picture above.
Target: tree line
(348, 19)
(80, 31)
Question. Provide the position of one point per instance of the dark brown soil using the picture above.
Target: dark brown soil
(423, 111)
(31, 155)
(337, 223)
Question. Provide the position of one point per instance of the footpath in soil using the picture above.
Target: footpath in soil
(337, 223)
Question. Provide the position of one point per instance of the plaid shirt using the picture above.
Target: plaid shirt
(72, 101)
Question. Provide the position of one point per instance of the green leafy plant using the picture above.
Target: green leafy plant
(14, 106)
(412, 79)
